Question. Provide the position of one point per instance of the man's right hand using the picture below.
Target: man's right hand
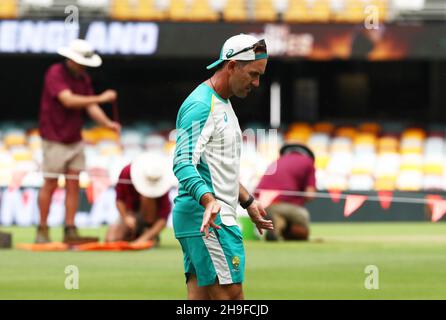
(130, 222)
(212, 208)
(108, 96)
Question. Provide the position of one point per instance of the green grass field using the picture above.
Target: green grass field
(411, 258)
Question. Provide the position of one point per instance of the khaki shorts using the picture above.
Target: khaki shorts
(59, 157)
(288, 213)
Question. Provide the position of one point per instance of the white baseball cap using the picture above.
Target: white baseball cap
(81, 52)
(241, 47)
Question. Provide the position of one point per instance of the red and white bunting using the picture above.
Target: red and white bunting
(335, 195)
(352, 203)
(385, 199)
(438, 210)
(16, 180)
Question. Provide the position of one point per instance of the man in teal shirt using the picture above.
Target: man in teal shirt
(207, 165)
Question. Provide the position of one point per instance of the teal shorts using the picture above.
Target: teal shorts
(221, 256)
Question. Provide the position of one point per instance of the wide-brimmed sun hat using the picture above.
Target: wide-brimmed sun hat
(81, 52)
(151, 174)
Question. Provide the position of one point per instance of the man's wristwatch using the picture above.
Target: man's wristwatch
(248, 202)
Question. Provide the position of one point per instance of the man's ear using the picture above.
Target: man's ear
(231, 65)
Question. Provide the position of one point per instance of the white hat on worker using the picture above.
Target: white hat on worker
(151, 174)
(81, 52)
(241, 47)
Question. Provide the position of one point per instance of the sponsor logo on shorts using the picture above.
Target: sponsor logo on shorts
(235, 262)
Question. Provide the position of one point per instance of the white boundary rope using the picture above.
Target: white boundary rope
(322, 195)
(345, 196)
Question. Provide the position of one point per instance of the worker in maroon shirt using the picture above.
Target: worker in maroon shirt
(68, 95)
(142, 199)
(293, 171)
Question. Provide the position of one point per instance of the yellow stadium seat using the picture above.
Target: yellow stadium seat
(370, 127)
(8, 9)
(106, 134)
(147, 10)
(320, 11)
(411, 167)
(434, 169)
(298, 132)
(365, 138)
(353, 11)
(347, 132)
(22, 155)
(122, 10)
(178, 10)
(323, 127)
(321, 161)
(388, 145)
(414, 133)
(297, 137)
(307, 11)
(264, 11)
(298, 126)
(202, 11)
(235, 10)
(90, 136)
(383, 8)
(385, 183)
(14, 139)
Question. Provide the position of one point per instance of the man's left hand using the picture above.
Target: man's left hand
(257, 214)
(114, 126)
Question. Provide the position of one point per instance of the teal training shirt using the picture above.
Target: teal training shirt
(207, 159)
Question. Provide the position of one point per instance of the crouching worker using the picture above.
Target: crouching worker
(142, 199)
(293, 171)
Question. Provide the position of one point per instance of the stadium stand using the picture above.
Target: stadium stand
(361, 157)
(292, 11)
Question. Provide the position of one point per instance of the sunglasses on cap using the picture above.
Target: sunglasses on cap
(259, 46)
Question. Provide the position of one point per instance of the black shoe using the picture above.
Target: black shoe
(42, 235)
(71, 236)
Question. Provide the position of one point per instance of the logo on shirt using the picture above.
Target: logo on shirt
(225, 117)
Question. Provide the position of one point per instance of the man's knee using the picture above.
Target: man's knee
(194, 292)
(297, 232)
(72, 180)
(226, 292)
(50, 185)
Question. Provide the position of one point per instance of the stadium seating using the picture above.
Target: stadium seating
(8, 9)
(359, 157)
(201, 10)
(235, 11)
(291, 11)
(149, 10)
(307, 11)
(264, 10)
